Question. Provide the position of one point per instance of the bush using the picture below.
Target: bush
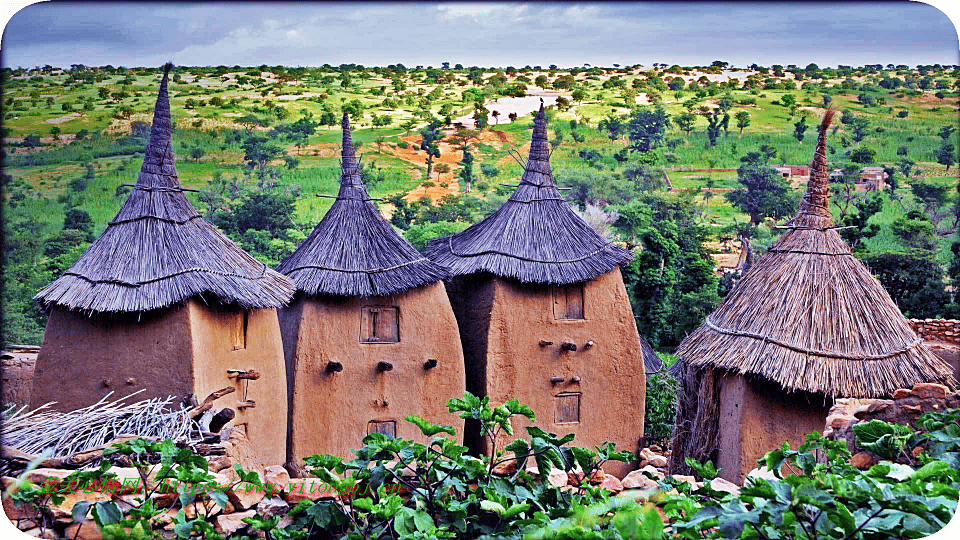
(661, 406)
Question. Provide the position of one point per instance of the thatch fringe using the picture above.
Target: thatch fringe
(696, 431)
(353, 251)
(158, 251)
(535, 237)
(810, 316)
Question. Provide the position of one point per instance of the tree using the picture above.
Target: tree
(743, 120)
(646, 128)
(914, 281)
(466, 169)
(78, 219)
(713, 128)
(258, 152)
(859, 126)
(578, 95)
(855, 228)
(800, 128)
(788, 100)
(431, 136)
(945, 154)
(863, 155)
(685, 121)
(765, 193)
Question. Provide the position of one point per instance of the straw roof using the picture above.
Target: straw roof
(810, 316)
(353, 251)
(535, 237)
(158, 251)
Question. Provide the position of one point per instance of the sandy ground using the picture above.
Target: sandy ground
(65, 118)
(506, 105)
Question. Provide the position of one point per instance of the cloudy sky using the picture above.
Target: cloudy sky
(502, 34)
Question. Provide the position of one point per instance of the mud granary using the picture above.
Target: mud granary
(163, 302)
(370, 337)
(544, 315)
(807, 323)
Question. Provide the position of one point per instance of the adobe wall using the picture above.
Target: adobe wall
(757, 417)
(612, 382)
(17, 364)
(330, 411)
(943, 339)
(215, 353)
(84, 358)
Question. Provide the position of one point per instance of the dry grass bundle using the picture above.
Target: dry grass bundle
(66, 433)
(158, 251)
(353, 251)
(535, 237)
(696, 432)
(810, 316)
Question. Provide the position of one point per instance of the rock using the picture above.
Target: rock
(85, 530)
(763, 473)
(656, 448)
(277, 477)
(638, 480)
(557, 478)
(653, 470)
(309, 488)
(929, 390)
(727, 486)
(838, 422)
(272, 506)
(861, 460)
(685, 478)
(129, 479)
(42, 475)
(647, 453)
(64, 509)
(505, 468)
(24, 511)
(917, 450)
(574, 478)
(901, 393)
(242, 495)
(915, 408)
(237, 447)
(658, 461)
(228, 524)
(218, 463)
(37, 532)
(638, 495)
(611, 484)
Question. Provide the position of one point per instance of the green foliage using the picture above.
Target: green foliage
(420, 234)
(914, 281)
(646, 128)
(660, 409)
(883, 439)
(765, 193)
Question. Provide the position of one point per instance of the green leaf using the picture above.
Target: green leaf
(106, 513)
(423, 521)
(494, 507)
(514, 510)
(428, 429)
(79, 511)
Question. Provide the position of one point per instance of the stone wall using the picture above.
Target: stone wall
(946, 330)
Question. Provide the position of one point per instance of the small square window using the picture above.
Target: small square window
(380, 324)
(568, 301)
(387, 427)
(567, 409)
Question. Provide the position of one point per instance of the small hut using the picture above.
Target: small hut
(544, 315)
(806, 324)
(164, 302)
(370, 336)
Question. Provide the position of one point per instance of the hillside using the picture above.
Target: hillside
(73, 137)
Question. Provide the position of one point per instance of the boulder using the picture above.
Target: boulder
(763, 473)
(930, 390)
(277, 477)
(657, 461)
(901, 393)
(727, 486)
(653, 470)
(308, 488)
(242, 495)
(557, 478)
(638, 480)
(611, 483)
(272, 506)
(861, 460)
(228, 524)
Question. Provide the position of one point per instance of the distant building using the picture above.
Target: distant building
(872, 179)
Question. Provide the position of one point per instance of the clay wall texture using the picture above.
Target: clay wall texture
(215, 352)
(16, 368)
(183, 350)
(330, 412)
(943, 338)
(758, 416)
(502, 323)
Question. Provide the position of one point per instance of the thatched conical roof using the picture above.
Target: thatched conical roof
(535, 237)
(810, 316)
(158, 251)
(353, 251)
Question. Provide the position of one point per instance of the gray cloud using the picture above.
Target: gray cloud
(483, 34)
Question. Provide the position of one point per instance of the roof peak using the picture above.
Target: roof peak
(159, 167)
(814, 208)
(351, 182)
